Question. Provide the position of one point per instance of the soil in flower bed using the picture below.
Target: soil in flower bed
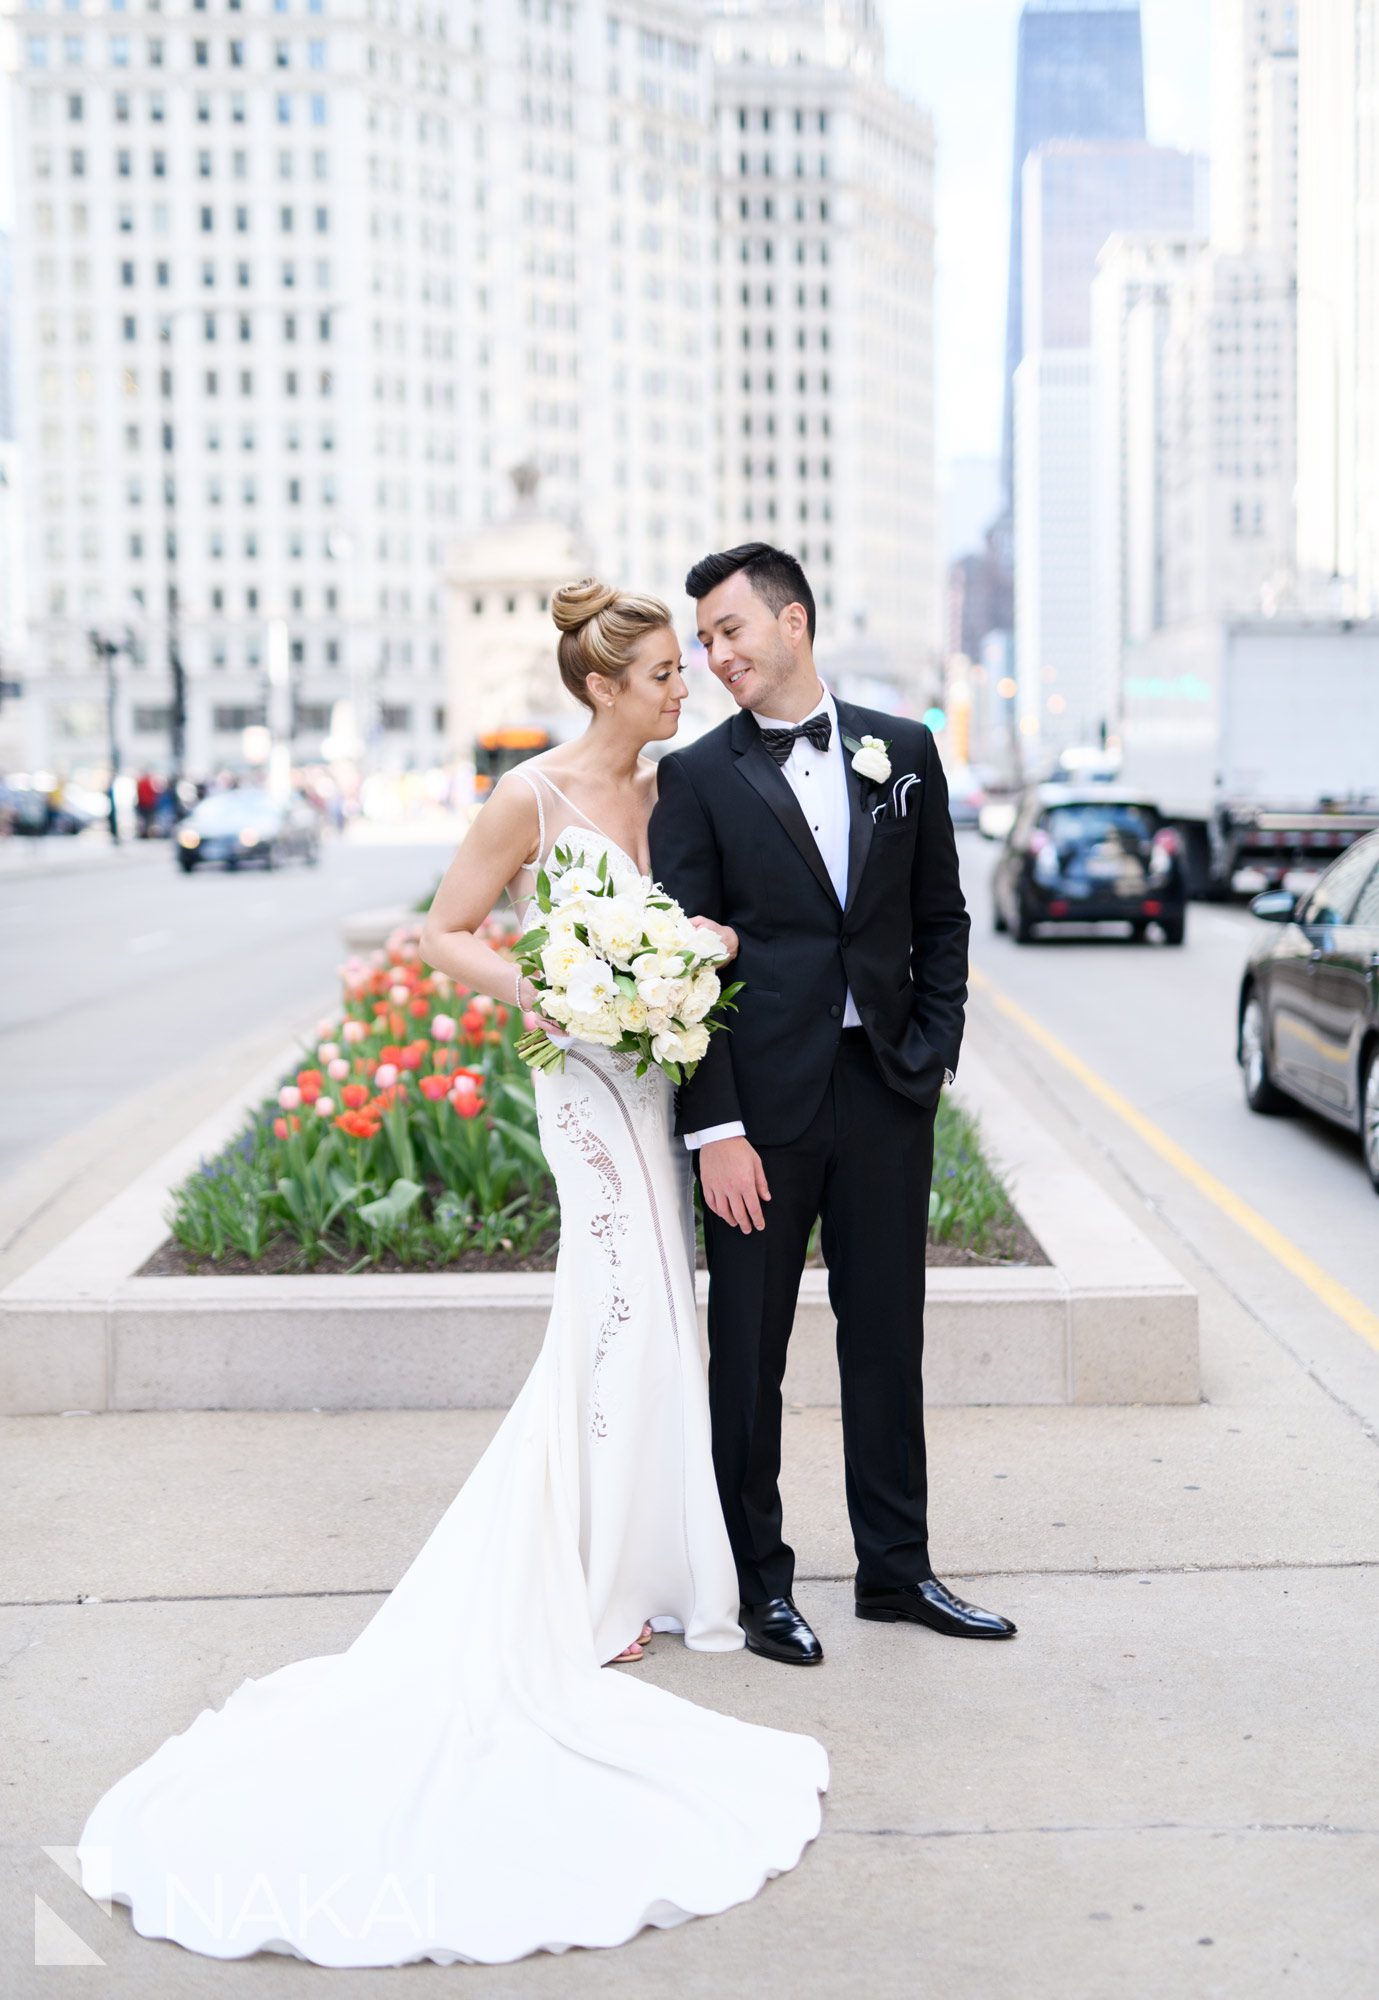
(1012, 1244)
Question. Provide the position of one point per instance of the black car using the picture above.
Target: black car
(246, 824)
(1308, 1021)
(1086, 854)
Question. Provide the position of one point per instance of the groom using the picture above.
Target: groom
(833, 859)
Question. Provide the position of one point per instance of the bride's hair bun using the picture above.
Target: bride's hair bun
(574, 604)
(600, 628)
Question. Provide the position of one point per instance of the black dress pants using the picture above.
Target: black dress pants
(864, 1166)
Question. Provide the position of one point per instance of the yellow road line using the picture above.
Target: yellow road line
(1334, 1295)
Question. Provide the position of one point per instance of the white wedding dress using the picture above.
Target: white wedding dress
(466, 1781)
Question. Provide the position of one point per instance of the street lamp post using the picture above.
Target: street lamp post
(105, 650)
(177, 712)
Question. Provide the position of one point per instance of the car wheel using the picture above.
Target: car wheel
(1174, 928)
(1369, 1115)
(1261, 1092)
(186, 863)
(1138, 933)
(1024, 925)
(998, 922)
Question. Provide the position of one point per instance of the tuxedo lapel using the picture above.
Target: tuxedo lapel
(756, 764)
(859, 818)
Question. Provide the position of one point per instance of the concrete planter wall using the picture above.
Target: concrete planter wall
(1108, 1321)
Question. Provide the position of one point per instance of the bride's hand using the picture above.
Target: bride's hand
(723, 931)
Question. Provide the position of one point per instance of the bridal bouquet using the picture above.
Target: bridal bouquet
(616, 961)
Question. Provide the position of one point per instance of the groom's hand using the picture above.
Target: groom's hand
(733, 1181)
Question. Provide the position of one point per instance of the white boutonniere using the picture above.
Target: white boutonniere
(869, 759)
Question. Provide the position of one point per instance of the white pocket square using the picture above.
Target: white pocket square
(897, 806)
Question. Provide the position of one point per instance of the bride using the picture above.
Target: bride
(465, 1782)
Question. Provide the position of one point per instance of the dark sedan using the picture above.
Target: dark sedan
(246, 824)
(1086, 854)
(1308, 1023)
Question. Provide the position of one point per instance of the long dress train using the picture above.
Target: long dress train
(466, 1781)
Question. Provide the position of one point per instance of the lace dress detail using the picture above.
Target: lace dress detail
(465, 1781)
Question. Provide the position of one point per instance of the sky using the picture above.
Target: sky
(957, 58)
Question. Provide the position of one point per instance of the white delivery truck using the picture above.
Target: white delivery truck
(1258, 738)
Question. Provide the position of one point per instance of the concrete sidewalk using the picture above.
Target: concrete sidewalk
(1165, 1786)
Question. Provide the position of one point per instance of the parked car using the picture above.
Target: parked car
(1089, 853)
(246, 824)
(28, 809)
(1307, 1027)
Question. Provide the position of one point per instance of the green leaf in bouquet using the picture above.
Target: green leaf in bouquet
(625, 983)
(731, 992)
(531, 942)
(672, 1070)
(543, 888)
(603, 866)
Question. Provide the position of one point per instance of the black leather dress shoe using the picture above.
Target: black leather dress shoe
(777, 1631)
(933, 1604)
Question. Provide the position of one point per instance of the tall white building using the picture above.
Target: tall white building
(1254, 125)
(825, 327)
(238, 258)
(1054, 646)
(1075, 193)
(1338, 305)
(1139, 275)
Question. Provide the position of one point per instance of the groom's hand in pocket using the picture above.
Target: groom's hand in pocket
(733, 1181)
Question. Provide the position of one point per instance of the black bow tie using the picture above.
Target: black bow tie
(780, 742)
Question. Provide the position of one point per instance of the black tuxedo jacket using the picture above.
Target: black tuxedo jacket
(729, 840)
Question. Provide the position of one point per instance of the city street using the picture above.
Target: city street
(1157, 1026)
(144, 996)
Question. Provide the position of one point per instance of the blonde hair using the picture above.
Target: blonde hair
(599, 628)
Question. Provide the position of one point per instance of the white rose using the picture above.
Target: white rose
(696, 1041)
(632, 1013)
(871, 760)
(655, 992)
(615, 925)
(591, 986)
(596, 1027)
(657, 1019)
(560, 960)
(664, 929)
(704, 990)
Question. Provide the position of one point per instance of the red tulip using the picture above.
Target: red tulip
(355, 1095)
(433, 1088)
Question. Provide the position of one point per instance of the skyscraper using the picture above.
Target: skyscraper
(1338, 304)
(1079, 75)
(825, 278)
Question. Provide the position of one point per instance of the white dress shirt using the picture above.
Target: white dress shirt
(819, 780)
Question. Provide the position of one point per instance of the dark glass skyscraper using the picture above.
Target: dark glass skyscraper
(1080, 75)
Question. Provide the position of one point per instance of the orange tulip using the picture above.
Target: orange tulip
(355, 1095)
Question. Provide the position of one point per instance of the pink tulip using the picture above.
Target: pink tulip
(354, 1031)
(465, 1086)
(482, 1003)
(325, 1107)
(327, 1025)
(443, 1027)
(327, 1052)
(399, 995)
(338, 1068)
(385, 1076)
(289, 1097)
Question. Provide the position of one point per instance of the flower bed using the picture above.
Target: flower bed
(407, 1141)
